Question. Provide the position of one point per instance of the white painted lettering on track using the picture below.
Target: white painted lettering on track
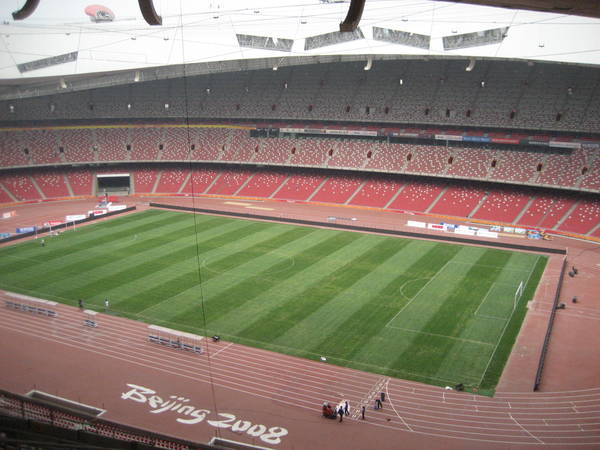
(191, 415)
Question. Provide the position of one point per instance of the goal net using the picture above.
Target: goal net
(518, 294)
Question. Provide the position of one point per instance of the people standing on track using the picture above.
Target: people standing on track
(378, 404)
(346, 411)
(382, 396)
(341, 413)
(363, 412)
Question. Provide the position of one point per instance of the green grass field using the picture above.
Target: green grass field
(426, 311)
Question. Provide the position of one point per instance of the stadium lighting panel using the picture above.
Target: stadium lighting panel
(476, 39)
(336, 37)
(265, 42)
(401, 37)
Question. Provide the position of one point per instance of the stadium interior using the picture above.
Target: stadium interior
(508, 142)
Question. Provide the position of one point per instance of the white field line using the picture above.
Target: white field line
(484, 299)
(418, 293)
(508, 269)
(441, 335)
(533, 266)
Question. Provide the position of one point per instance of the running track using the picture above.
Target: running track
(413, 413)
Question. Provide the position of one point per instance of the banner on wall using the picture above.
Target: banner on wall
(25, 230)
(413, 223)
(97, 212)
(75, 217)
(116, 207)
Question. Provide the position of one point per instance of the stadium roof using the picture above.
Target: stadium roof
(59, 39)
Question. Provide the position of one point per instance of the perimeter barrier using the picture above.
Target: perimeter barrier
(339, 226)
(538, 375)
(24, 414)
(15, 237)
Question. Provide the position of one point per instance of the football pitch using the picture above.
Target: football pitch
(427, 311)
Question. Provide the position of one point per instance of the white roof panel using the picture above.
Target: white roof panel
(206, 31)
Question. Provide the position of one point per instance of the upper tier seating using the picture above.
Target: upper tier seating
(212, 145)
(563, 170)
(389, 157)
(275, 151)
(351, 153)
(470, 162)
(77, 144)
(242, 147)
(496, 93)
(312, 152)
(11, 152)
(428, 159)
(112, 144)
(177, 145)
(514, 165)
(42, 146)
(145, 143)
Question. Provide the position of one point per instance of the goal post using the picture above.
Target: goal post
(518, 294)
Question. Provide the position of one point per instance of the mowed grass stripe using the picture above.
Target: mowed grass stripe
(448, 320)
(297, 308)
(313, 263)
(481, 328)
(387, 299)
(323, 324)
(301, 253)
(164, 260)
(90, 265)
(181, 259)
(290, 292)
(96, 273)
(70, 239)
(82, 245)
(423, 305)
(183, 292)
